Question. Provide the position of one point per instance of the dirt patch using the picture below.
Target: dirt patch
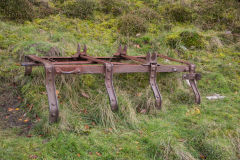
(12, 112)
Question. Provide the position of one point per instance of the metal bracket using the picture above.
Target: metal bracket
(153, 83)
(28, 69)
(109, 86)
(152, 62)
(120, 51)
(84, 52)
(193, 77)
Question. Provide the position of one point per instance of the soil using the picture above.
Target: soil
(12, 112)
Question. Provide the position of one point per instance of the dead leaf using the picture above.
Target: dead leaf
(33, 156)
(86, 127)
(181, 140)
(57, 92)
(99, 154)
(143, 111)
(139, 94)
(10, 109)
(38, 119)
(84, 111)
(30, 107)
(45, 93)
(84, 94)
(202, 156)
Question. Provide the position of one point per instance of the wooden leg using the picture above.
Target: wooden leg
(51, 92)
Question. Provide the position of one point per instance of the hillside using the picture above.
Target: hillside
(203, 32)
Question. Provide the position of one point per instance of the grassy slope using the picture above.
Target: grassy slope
(182, 130)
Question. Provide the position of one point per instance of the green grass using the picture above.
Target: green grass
(88, 129)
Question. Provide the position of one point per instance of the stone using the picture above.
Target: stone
(215, 42)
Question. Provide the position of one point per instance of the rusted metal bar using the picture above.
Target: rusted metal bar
(81, 63)
(128, 68)
(123, 54)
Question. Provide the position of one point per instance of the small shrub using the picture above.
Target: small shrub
(180, 14)
(192, 39)
(116, 7)
(189, 39)
(236, 30)
(216, 14)
(131, 24)
(181, 96)
(147, 13)
(152, 3)
(42, 8)
(80, 8)
(142, 40)
(18, 10)
(173, 40)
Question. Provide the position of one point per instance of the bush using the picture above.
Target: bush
(217, 14)
(116, 7)
(18, 10)
(147, 13)
(80, 9)
(180, 14)
(42, 8)
(131, 24)
(191, 39)
(188, 39)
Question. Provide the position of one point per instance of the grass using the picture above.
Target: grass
(87, 128)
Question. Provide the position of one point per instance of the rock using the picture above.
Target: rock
(228, 32)
(215, 42)
(228, 35)
(215, 97)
